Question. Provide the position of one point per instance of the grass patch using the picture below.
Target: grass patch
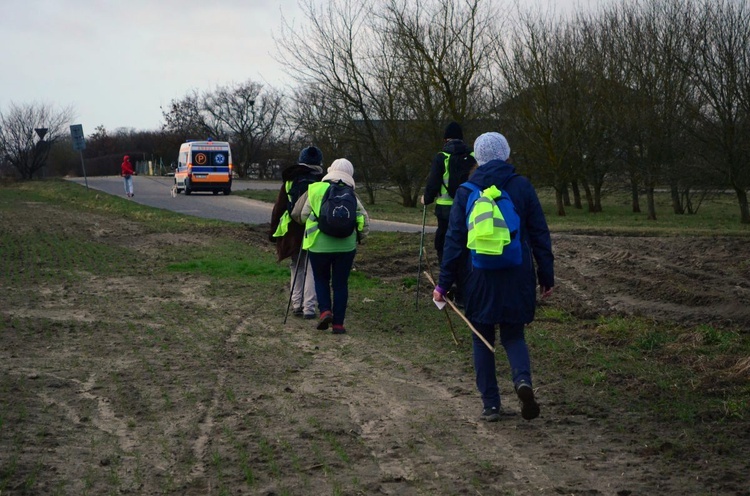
(718, 214)
(222, 261)
(73, 197)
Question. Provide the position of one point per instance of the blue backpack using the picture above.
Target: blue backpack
(494, 227)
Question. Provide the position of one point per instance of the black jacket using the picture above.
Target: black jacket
(437, 169)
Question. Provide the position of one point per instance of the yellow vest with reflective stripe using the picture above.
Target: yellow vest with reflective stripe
(488, 232)
(285, 219)
(315, 194)
(445, 198)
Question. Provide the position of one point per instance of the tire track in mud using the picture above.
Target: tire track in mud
(687, 280)
(206, 421)
(106, 420)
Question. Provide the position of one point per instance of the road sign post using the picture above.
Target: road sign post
(79, 144)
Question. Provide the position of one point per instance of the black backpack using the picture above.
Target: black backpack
(299, 186)
(459, 167)
(338, 211)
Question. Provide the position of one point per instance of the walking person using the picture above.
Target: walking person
(127, 172)
(449, 168)
(503, 297)
(332, 256)
(287, 234)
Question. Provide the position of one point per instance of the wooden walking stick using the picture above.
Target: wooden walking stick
(455, 309)
(447, 315)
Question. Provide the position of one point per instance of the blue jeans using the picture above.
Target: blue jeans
(331, 270)
(513, 340)
(128, 185)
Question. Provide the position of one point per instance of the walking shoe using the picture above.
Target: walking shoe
(326, 317)
(338, 329)
(491, 414)
(309, 316)
(529, 406)
(297, 312)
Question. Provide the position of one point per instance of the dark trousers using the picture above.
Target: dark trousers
(513, 340)
(440, 231)
(331, 270)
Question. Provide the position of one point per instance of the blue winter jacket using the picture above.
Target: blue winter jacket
(505, 295)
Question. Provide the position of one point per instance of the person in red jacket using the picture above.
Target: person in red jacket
(127, 172)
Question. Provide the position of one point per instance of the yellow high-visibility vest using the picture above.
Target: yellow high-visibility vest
(315, 194)
(488, 232)
(286, 218)
(445, 198)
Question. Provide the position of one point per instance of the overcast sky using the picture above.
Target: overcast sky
(116, 62)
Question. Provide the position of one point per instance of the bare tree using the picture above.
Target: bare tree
(721, 74)
(184, 118)
(533, 100)
(20, 144)
(395, 72)
(654, 43)
(245, 114)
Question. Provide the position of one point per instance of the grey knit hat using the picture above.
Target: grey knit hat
(491, 146)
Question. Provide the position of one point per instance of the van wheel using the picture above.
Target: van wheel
(227, 191)
(187, 187)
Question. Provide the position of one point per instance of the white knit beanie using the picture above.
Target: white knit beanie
(341, 170)
(343, 165)
(491, 146)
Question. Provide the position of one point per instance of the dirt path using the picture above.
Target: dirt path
(198, 389)
(394, 412)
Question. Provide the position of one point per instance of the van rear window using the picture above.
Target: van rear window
(211, 158)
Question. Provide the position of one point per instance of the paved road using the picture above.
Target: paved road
(155, 191)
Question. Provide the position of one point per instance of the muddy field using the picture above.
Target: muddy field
(116, 384)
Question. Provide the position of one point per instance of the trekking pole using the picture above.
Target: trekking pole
(455, 309)
(421, 249)
(304, 275)
(294, 280)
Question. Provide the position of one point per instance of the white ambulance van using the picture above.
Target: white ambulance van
(204, 166)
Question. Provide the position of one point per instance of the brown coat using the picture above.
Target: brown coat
(290, 243)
